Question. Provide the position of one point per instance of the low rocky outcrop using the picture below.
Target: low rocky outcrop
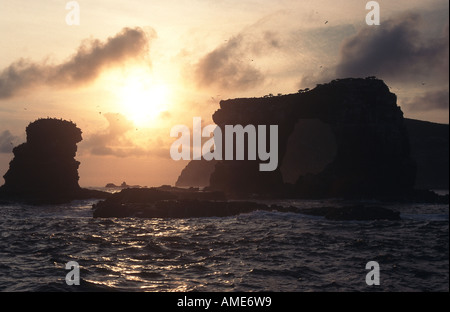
(122, 186)
(44, 169)
(171, 202)
(183, 208)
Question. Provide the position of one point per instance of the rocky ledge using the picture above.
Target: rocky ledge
(169, 202)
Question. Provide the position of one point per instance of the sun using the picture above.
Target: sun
(143, 99)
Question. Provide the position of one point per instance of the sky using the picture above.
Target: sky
(128, 71)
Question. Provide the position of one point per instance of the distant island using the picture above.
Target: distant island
(121, 186)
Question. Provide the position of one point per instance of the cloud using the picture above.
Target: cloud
(272, 39)
(114, 140)
(432, 100)
(91, 58)
(396, 51)
(227, 68)
(231, 65)
(7, 141)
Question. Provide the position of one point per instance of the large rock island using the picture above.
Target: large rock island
(44, 169)
(361, 144)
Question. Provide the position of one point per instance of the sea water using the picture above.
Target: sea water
(259, 251)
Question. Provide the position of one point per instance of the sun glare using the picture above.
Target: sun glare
(143, 100)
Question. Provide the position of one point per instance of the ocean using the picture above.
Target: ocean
(255, 252)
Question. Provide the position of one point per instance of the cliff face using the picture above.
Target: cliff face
(196, 174)
(371, 154)
(44, 168)
(430, 148)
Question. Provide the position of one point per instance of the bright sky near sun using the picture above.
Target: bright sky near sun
(133, 69)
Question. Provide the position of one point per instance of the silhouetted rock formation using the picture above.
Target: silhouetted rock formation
(430, 149)
(196, 173)
(312, 146)
(372, 156)
(169, 202)
(44, 169)
(122, 186)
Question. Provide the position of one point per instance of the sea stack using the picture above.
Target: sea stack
(44, 169)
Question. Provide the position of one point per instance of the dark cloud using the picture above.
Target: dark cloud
(325, 74)
(272, 39)
(91, 58)
(396, 50)
(227, 67)
(7, 141)
(438, 100)
(231, 65)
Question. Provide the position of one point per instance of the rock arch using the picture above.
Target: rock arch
(372, 145)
